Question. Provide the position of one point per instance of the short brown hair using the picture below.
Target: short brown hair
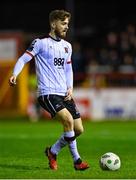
(59, 15)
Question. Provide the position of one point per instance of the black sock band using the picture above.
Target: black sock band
(69, 139)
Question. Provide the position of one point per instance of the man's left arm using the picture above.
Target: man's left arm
(69, 78)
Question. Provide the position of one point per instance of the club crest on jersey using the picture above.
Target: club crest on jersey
(66, 49)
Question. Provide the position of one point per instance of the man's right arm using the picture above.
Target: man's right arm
(32, 50)
(18, 67)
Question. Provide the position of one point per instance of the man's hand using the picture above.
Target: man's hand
(69, 94)
(12, 80)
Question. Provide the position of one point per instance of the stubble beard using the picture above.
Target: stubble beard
(59, 34)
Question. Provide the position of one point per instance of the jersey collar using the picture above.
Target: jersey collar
(58, 39)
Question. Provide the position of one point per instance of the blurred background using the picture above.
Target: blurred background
(103, 36)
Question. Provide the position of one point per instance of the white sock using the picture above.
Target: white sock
(73, 150)
(72, 145)
(60, 143)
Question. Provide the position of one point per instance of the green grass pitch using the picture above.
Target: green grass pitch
(22, 145)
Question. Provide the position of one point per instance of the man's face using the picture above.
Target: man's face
(61, 28)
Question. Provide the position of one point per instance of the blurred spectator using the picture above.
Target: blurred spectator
(124, 42)
(116, 53)
(114, 59)
(93, 66)
(131, 29)
(103, 56)
(128, 64)
(112, 40)
(78, 62)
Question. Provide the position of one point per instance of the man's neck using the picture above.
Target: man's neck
(53, 35)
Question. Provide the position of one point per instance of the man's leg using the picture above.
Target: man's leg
(60, 143)
(67, 122)
(78, 128)
(69, 137)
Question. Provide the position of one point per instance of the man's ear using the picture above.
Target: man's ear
(53, 25)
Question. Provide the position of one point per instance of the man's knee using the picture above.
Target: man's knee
(79, 131)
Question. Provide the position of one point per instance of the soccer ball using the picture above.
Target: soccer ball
(110, 161)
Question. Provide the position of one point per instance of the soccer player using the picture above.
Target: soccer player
(55, 85)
